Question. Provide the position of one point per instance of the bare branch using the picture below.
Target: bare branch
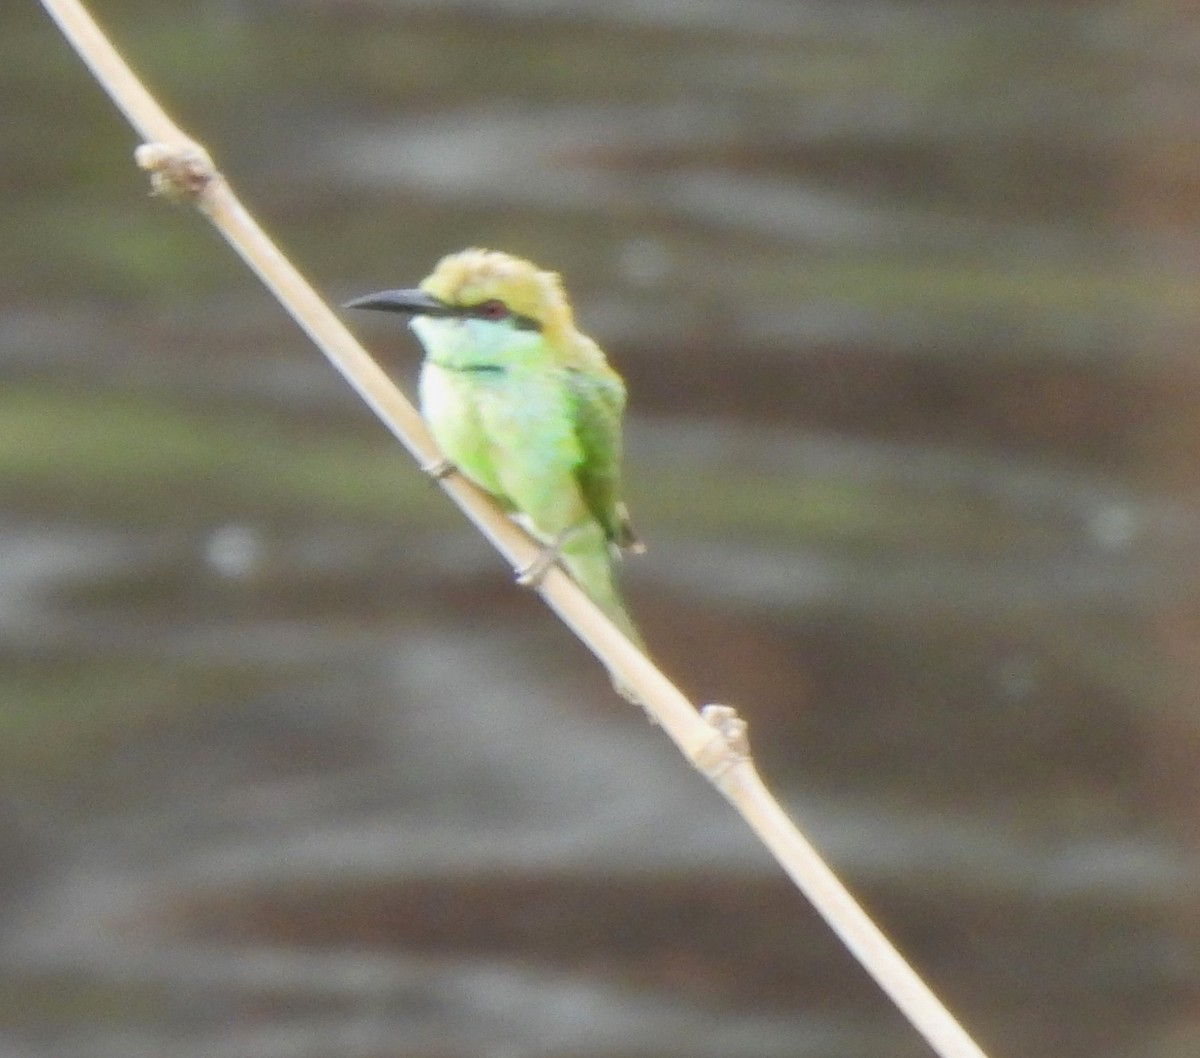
(715, 742)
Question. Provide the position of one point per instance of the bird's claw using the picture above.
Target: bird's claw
(439, 469)
(532, 575)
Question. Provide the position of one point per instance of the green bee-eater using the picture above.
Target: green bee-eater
(525, 406)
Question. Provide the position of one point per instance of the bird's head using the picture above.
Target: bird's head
(485, 285)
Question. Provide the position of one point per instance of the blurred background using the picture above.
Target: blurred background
(904, 293)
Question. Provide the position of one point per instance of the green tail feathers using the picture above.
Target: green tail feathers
(592, 568)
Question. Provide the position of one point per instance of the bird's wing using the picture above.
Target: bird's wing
(599, 402)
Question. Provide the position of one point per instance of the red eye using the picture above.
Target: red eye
(493, 310)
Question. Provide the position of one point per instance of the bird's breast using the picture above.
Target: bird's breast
(455, 405)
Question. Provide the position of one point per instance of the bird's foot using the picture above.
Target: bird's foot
(439, 469)
(532, 575)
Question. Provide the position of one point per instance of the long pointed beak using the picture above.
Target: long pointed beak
(413, 302)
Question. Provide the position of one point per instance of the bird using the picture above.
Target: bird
(528, 408)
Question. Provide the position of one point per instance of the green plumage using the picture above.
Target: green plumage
(542, 438)
(526, 407)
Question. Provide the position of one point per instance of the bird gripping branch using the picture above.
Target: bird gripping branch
(527, 407)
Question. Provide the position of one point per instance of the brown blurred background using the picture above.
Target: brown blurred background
(905, 297)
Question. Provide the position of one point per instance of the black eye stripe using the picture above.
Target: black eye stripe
(492, 309)
(486, 311)
(525, 323)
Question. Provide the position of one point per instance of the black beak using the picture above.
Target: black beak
(412, 302)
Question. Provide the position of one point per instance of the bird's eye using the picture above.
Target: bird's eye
(493, 310)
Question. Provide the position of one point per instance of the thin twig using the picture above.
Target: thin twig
(715, 742)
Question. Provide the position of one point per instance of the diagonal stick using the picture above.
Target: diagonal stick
(713, 740)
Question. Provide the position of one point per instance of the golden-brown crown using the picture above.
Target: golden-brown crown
(474, 276)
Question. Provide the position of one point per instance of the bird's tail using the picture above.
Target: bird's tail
(592, 569)
(588, 558)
